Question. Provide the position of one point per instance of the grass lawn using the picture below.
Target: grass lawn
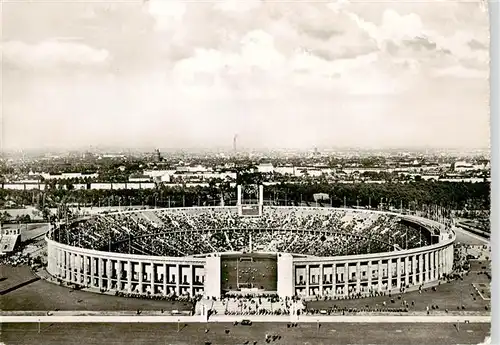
(42, 295)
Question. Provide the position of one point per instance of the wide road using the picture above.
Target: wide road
(228, 334)
(254, 318)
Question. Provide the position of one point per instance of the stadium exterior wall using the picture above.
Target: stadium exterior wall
(129, 273)
(352, 275)
(381, 272)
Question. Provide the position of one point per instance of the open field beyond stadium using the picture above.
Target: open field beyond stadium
(193, 334)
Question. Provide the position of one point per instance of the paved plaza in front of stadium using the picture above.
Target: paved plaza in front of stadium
(447, 296)
(41, 295)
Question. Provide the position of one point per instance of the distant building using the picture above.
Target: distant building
(158, 156)
(67, 176)
(265, 168)
(461, 166)
(139, 178)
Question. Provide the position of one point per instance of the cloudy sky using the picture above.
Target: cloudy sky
(296, 74)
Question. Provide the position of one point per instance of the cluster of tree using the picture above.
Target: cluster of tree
(410, 195)
(5, 217)
(455, 195)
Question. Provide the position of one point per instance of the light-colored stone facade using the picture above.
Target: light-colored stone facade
(307, 276)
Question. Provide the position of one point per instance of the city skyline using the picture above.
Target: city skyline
(280, 74)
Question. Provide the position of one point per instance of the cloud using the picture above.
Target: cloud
(477, 45)
(394, 27)
(461, 72)
(280, 73)
(237, 5)
(52, 54)
(166, 13)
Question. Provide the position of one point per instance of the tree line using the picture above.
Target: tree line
(453, 195)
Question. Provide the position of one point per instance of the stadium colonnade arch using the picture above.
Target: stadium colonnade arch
(297, 274)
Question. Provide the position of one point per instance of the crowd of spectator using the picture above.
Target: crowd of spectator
(256, 305)
(172, 297)
(18, 259)
(345, 310)
(182, 232)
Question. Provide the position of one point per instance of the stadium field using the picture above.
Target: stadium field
(249, 270)
(42, 295)
(193, 334)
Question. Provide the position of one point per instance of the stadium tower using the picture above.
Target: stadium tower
(235, 140)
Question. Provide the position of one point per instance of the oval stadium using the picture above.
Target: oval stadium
(289, 251)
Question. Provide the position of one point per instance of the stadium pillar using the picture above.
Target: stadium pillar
(72, 267)
(407, 271)
(334, 279)
(427, 274)
(389, 274)
(66, 266)
(129, 276)
(380, 275)
(191, 287)
(101, 271)
(78, 267)
(308, 277)
(177, 279)
(369, 273)
(346, 279)
(165, 278)
(58, 262)
(69, 267)
(109, 273)
(433, 268)
(421, 269)
(286, 275)
(321, 279)
(398, 273)
(119, 264)
(141, 277)
(443, 261)
(68, 275)
(414, 269)
(63, 264)
(450, 253)
(212, 280)
(438, 264)
(153, 276)
(358, 277)
(92, 270)
(85, 270)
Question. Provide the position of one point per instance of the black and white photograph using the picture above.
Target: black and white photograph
(222, 172)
